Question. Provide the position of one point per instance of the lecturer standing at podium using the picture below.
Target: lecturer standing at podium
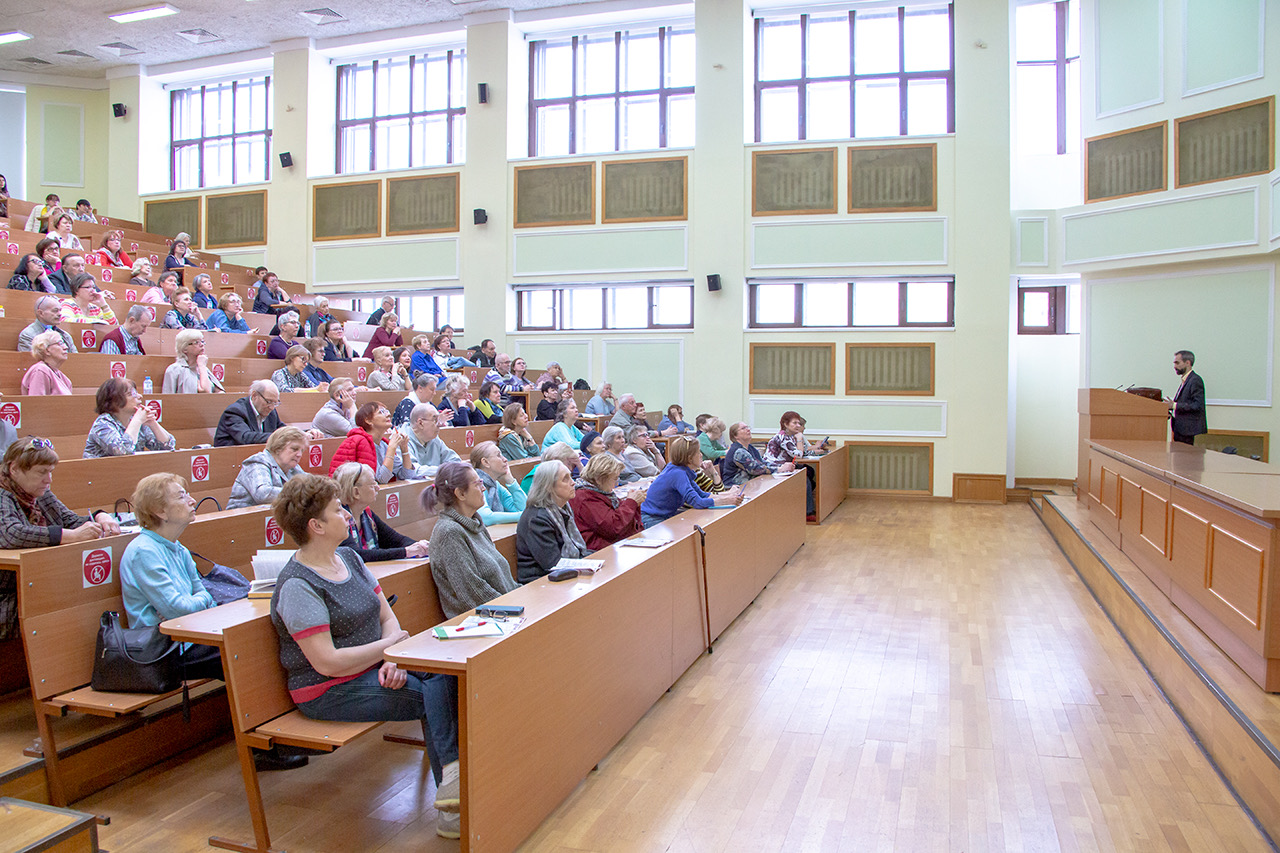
(1186, 409)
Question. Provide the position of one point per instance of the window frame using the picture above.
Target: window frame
(1060, 63)
(201, 141)
(663, 92)
(369, 302)
(801, 83)
(558, 306)
(904, 283)
(450, 112)
(1057, 294)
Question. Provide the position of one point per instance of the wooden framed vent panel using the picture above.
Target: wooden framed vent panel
(1127, 162)
(793, 182)
(1232, 142)
(236, 219)
(889, 369)
(346, 211)
(646, 190)
(172, 216)
(890, 467)
(561, 194)
(893, 178)
(422, 205)
(792, 368)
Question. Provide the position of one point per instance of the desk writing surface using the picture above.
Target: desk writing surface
(1246, 484)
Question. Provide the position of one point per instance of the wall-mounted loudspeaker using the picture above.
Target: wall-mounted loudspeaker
(286, 159)
(713, 282)
(118, 110)
(479, 216)
(484, 92)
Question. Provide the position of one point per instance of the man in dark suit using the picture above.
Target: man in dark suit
(1186, 408)
(252, 419)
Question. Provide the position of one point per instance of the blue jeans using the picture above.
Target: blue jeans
(428, 697)
(650, 520)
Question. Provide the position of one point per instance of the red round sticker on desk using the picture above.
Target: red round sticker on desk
(11, 412)
(88, 339)
(106, 221)
(157, 409)
(12, 248)
(4, 234)
(155, 259)
(226, 279)
(274, 534)
(471, 438)
(393, 505)
(219, 371)
(130, 295)
(93, 258)
(117, 370)
(315, 456)
(106, 274)
(362, 374)
(151, 313)
(133, 247)
(261, 347)
(200, 468)
(203, 265)
(97, 567)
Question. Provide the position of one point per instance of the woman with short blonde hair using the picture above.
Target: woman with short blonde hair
(190, 372)
(292, 376)
(264, 474)
(602, 517)
(370, 537)
(45, 377)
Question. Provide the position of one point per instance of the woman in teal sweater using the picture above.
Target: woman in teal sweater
(564, 429)
(504, 500)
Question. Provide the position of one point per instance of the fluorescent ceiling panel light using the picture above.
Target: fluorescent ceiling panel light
(146, 13)
(16, 35)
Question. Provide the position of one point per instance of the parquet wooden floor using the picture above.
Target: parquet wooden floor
(921, 677)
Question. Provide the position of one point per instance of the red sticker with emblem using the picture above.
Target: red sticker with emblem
(12, 248)
(315, 456)
(200, 468)
(106, 274)
(274, 534)
(89, 339)
(219, 371)
(471, 438)
(157, 410)
(261, 347)
(130, 295)
(96, 564)
(226, 279)
(117, 370)
(362, 374)
(11, 412)
(393, 505)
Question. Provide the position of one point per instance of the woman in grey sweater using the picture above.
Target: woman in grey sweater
(465, 564)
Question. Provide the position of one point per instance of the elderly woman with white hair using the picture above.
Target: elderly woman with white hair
(615, 445)
(141, 269)
(318, 317)
(229, 315)
(370, 537)
(559, 452)
(457, 399)
(264, 474)
(603, 518)
(547, 530)
(641, 454)
(289, 326)
(202, 292)
(45, 377)
(553, 373)
(190, 373)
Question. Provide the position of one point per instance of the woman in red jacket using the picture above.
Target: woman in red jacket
(373, 442)
(602, 517)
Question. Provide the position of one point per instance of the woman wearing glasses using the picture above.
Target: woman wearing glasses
(124, 425)
(31, 516)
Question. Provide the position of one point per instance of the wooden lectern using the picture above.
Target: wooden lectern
(1108, 413)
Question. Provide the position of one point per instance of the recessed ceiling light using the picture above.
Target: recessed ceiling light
(145, 13)
(322, 16)
(199, 36)
(35, 60)
(75, 54)
(16, 35)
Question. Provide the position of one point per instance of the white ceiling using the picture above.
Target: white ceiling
(240, 26)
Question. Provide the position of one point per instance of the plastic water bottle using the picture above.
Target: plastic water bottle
(146, 385)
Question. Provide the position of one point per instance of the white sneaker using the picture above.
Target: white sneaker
(449, 794)
(449, 825)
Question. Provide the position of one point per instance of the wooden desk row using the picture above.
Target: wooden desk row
(633, 628)
(1205, 528)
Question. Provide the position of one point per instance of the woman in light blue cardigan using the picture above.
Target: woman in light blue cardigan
(504, 500)
(564, 429)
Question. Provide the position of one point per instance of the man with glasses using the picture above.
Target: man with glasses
(48, 315)
(252, 419)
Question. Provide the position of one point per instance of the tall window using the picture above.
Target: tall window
(622, 91)
(423, 313)
(221, 134)
(1047, 39)
(402, 113)
(876, 72)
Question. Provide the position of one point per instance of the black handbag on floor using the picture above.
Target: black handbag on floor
(134, 660)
